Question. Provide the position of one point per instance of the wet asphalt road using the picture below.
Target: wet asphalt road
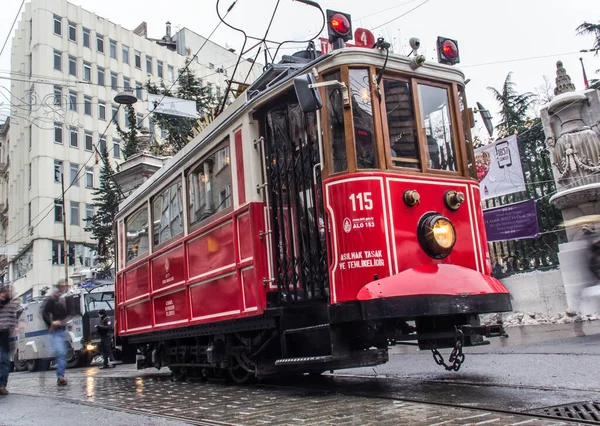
(537, 366)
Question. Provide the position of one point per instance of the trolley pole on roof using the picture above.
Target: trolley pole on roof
(64, 218)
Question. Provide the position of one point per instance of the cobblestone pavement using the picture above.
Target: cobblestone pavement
(154, 394)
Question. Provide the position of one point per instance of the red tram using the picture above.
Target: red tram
(286, 241)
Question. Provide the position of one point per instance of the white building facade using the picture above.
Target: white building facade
(67, 65)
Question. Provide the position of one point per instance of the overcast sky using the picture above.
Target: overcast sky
(487, 31)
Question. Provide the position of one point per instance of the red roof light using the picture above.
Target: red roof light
(450, 49)
(340, 24)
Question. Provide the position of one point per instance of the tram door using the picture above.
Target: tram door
(295, 202)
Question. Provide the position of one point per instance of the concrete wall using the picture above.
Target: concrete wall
(541, 292)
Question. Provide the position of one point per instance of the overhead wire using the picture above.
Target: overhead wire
(11, 28)
(398, 17)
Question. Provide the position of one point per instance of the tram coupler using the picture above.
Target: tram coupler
(492, 330)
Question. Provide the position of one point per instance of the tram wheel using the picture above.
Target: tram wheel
(239, 374)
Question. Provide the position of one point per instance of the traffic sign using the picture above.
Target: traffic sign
(363, 38)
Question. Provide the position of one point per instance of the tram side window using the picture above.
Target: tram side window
(437, 125)
(209, 186)
(402, 127)
(362, 115)
(136, 227)
(335, 129)
(462, 102)
(167, 214)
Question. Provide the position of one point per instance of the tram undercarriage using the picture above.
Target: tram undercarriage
(311, 339)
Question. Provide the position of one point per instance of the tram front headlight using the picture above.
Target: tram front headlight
(437, 235)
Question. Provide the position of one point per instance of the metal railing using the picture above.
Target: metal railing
(541, 253)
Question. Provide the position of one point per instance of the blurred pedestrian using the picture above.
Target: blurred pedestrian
(105, 330)
(55, 317)
(8, 321)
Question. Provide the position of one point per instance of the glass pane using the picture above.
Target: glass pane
(402, 127)
(137, 234)
(362, 114)
(436, 122)
(335, 131)
(167, 214)
(210, 186)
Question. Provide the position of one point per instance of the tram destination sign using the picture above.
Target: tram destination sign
(172, 106)
(499, 168)
(511, 222)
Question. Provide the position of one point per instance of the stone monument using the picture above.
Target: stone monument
(572, 127)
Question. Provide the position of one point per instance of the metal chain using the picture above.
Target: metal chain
(456, 356)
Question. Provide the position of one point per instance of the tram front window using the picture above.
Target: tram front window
(437, 126)
(362, 115)
(402, 128)
(335, 126)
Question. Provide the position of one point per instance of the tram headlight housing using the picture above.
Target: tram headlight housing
(437, 235)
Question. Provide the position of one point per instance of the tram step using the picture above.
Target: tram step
(304, 360)
(306, 329)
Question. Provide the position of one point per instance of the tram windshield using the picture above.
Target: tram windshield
(403, 122)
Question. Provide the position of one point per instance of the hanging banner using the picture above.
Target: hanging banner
(499, 168)
(172, 106)
(512, 222)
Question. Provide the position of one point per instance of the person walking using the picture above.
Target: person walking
(8, 321)
(55, 317)
(105, 330)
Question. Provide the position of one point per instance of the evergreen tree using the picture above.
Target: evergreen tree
(513, 107)
(106, 201)
(593, 29)
(179, 129)
(129, 135)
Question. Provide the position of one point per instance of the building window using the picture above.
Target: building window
(89, 178)
(171, 74)
(57, 133)
(116, 148)
(211, 66)
(74, 220)
(58, 96)
(138, 90)
(126, 84)
(114, 81)
(89, 212)
(30, 136)
(113, 49)
(101, 110)
(102, 145)
(29, 214)
(225, 196)
(73, 66)
(138, 59)
(86, 37)
(89, 141)
(57, 25)
(125, 51)
(58, 170)
(115, 113)
(58, 210)
(149, 64)
(159, 68)
(101, 76)
(100, 43)
(209, 89)
(30, 174)
(218, 91)
(74, 171)
(139, 119)
(72, 31)
(87, 105)
(73, 137)
(57, 60)
(87, 71)
(72, 101)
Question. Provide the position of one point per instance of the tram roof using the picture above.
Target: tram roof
(277, 79)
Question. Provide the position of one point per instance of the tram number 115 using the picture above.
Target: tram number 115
(363, 199)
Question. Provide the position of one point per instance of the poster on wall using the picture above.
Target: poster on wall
(511, 222)
(499, 168)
